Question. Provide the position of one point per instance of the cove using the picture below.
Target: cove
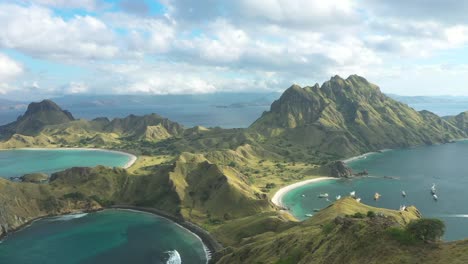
(412, 170)
(109, 236)
(17, 162)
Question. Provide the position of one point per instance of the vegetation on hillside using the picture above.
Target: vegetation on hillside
(223, 179)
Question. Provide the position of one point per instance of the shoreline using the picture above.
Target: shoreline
(365, 155)
(210, 244)
(28, 223)
(278, 196)
(127, 165)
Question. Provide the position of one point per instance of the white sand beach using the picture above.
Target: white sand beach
(127, 165)
(277, 198)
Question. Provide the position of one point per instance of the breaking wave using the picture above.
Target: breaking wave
(174, 257)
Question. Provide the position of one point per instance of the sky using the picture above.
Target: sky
(59, 47)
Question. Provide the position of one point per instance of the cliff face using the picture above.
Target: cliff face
(460, 121)
(21, 203)
(349, 116)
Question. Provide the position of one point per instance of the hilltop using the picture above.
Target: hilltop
(345, 117)
(36, 117)
(223, 179)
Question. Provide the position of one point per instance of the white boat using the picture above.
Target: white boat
(323, 195)
(377, 196)
(358, 200)
(403, 193)
(353, 194)
(338, 197)
(433, 189)
(309, 215)
(303, 195)
(435, 197)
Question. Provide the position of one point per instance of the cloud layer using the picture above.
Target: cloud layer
(182, 46)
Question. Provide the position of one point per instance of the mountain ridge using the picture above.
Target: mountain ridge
(350, 116)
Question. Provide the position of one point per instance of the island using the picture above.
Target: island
(221, 183)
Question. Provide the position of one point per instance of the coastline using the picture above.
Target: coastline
(277, 198)
(365, 155)
(127, 165)
(30, 222)
(212, 246)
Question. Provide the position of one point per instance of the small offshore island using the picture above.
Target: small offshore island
(221, 183)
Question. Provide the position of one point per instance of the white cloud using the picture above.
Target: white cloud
(38, 32)
(145, 35)
(84, 4)
(9, 68)
(298, 12)
(210, 45)
(76, 88)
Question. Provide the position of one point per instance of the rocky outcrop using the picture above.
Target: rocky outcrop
(37, 116)
(339, 169)
(35, 178)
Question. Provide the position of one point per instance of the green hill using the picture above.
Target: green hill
(36, 117)
(344, 117)
(341, 233)
(222, 179)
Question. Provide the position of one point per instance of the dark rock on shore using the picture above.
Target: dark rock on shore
(35, 178)
(339, 169)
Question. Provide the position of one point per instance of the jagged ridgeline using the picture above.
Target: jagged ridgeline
(223, 179)
(45, 123)
(348, 116)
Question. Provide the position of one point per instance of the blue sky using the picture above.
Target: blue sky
(56, 47)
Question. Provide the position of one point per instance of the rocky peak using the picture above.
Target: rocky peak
(37, 116)
(43, 106)
(46, 106)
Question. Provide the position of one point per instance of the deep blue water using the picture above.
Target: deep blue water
(414, 170)
(108, 237)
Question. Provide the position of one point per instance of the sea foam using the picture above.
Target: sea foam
(174, 257)
(67, 217)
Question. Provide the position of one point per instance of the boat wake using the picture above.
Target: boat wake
(68, 217)
(456, 215)
(174, 257)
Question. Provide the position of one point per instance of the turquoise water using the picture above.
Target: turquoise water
(22, 161)
(110, 236)
(415, 169)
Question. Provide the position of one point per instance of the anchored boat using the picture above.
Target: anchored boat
(323, 195)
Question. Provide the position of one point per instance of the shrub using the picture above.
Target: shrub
(371, 214)
(358, 215)
(426, 229)
(74, 196)
(401, 235)
(328, 227)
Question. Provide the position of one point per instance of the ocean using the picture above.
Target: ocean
(414, 171)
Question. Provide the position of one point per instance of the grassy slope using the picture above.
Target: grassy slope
(221, 178)
(345, 117)
(332, 237)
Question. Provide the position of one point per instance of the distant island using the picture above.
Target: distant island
(223, 180)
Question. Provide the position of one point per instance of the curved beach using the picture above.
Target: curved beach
(278, 197)
(210, 244)
(127, 165)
